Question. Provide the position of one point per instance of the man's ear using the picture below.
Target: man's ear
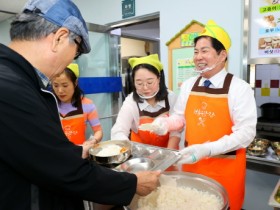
(60, 36)
(223, 54)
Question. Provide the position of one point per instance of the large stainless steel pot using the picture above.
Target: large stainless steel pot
(199, 182)
(122, 156)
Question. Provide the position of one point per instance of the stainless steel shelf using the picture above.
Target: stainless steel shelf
(268, 133)
(268, 164)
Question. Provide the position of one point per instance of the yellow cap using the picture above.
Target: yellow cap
(150, 59)
(75, 68)
(213, 30)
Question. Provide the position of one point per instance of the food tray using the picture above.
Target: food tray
(148, 157)
(272, 201)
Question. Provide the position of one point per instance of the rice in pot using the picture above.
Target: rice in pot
(169, 196)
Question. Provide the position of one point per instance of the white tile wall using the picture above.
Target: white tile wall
(264, 74)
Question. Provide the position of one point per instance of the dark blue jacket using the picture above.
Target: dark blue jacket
(39, 167)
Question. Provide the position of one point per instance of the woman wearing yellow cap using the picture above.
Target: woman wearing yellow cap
(220, 116)
(150, 98)
(75, 110)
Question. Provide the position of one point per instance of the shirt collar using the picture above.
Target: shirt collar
(216, 79)
(45, 80)
(145, 104)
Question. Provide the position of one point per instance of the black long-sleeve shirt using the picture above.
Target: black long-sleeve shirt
(37, 162)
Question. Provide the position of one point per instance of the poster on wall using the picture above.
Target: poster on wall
(183, 66)
(264, 36)
(187, 39)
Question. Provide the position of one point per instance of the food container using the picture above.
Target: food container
(261, 142)
(110, 152)
(258, 147)
(196, 181)
(275, 145)
(256, 150)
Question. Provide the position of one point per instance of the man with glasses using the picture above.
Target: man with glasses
(40, 168)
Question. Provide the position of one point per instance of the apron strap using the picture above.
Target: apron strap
(155, 114)
(223, 90)
(74, 112)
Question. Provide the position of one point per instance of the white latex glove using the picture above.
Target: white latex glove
(194, 153)
(160, 126)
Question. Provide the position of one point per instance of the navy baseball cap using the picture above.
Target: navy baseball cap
(62, 13)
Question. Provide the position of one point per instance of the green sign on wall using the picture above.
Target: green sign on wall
(128, 8)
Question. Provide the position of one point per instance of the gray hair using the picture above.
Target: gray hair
(30, 26)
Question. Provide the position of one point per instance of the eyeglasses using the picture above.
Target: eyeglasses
(149, 84)
(79, 49)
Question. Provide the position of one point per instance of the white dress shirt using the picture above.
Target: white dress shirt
(242, 107)
(128, 116)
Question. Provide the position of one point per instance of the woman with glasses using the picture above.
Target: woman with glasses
(150, 98)
(75, 110)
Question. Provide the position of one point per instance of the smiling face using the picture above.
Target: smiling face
(63, 88)
(205, 56)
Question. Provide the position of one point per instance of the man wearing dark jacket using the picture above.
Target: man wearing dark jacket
(39, 167)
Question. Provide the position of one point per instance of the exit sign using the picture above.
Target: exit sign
(128, 8)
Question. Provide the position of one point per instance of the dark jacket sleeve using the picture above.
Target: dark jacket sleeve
(35, 148)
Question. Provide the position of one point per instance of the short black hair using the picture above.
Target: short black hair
(216, 44)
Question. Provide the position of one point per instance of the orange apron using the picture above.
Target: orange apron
(208, 119)
(74, 126)
(147, 137)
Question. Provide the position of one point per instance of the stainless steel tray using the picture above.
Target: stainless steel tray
(148, 157)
